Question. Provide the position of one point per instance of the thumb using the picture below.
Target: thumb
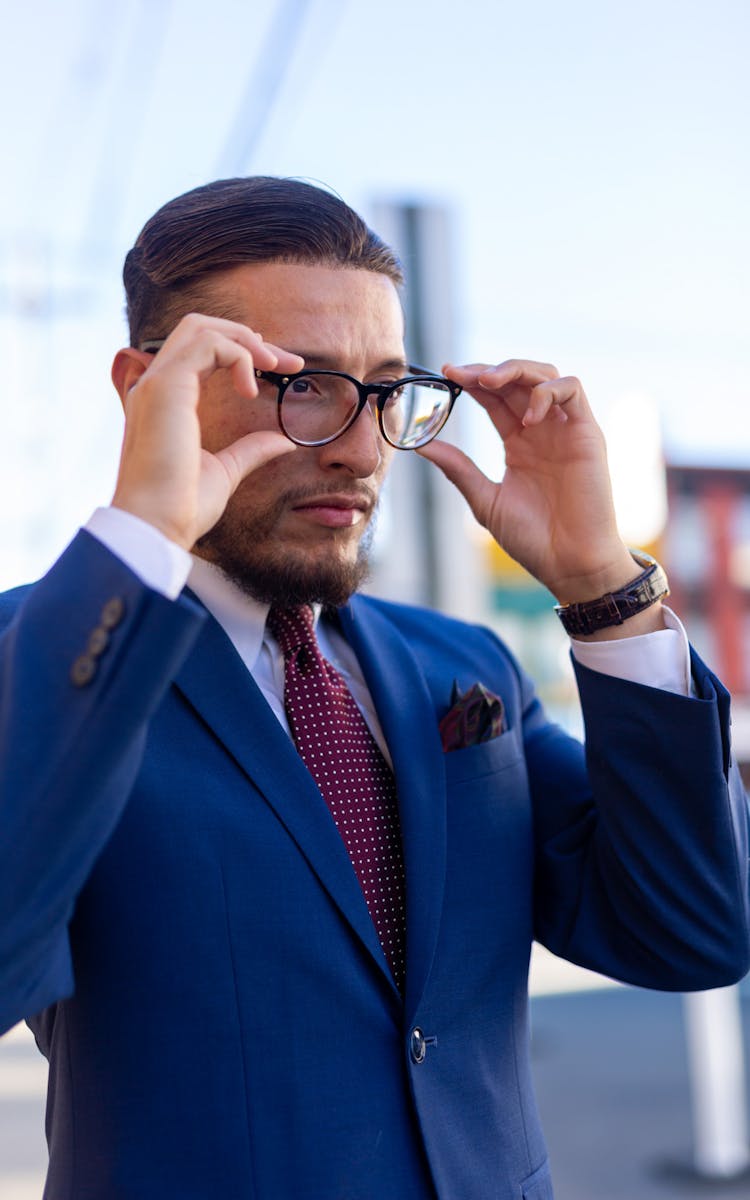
(478, 491)
(248, 453)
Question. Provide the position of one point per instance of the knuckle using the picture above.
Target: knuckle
(192, 320)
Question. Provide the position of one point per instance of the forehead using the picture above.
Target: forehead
(302, 306)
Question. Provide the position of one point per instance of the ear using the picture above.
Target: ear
(127, 368)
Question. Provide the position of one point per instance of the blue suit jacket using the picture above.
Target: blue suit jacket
(181, 923)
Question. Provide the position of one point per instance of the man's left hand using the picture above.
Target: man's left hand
(553, 510)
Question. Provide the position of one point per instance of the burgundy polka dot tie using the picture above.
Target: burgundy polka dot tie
(356, 782)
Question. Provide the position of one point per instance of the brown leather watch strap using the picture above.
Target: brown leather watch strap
(615, 607)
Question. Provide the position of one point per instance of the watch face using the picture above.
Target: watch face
(644, 560)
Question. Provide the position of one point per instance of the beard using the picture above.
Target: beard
(247, 548)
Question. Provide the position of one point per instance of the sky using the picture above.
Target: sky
(592, 160)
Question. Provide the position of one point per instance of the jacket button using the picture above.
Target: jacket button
(417, 1046)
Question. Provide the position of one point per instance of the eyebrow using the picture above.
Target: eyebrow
(330, 363)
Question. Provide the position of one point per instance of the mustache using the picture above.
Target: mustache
(261, 522)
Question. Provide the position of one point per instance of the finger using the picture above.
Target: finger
(198, 327)
(517, 370)
(195, 324)
(286, 360)
(209, 349)
(244, 456)
(558, 399)
(503, 390)
(479, 491)
(266, 357)
(495, 377)
(467, 374)
(500, 412)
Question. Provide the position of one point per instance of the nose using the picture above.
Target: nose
(360, 450)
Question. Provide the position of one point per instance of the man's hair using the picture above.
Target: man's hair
(234, 221)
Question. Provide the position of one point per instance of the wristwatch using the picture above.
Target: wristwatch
(616, 607)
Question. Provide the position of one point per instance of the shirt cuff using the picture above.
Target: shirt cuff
(158, 562)
(660, 659)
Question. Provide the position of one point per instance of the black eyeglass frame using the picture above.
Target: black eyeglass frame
(364, 390)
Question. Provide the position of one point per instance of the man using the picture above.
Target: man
(277, 970)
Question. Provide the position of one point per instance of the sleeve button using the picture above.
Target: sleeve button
(112, 613)
(83, 670)
(98, 642)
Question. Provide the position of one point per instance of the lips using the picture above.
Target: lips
(337, 510)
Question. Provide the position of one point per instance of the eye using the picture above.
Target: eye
(305, 386)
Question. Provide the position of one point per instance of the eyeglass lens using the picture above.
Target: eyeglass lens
(320, 405)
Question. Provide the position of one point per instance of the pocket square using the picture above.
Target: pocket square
(476, 716)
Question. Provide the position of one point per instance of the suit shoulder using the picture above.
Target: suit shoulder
(11, 601)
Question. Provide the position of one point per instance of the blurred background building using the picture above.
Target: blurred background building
(564, 182)
(707, 547)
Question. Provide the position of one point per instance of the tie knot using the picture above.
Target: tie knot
(293, 628)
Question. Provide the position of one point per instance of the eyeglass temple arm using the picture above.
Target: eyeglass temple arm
(152, 345)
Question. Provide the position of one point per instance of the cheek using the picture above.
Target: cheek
(265, 486)
(386, 458)
(224, 417)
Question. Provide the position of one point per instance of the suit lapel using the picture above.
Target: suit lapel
(218, 686)
(407, 716)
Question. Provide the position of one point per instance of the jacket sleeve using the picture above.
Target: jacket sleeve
(642, 847)
(86, 655)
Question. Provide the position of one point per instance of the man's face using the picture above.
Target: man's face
(297, 529)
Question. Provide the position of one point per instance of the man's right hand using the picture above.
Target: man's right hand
(166, 477)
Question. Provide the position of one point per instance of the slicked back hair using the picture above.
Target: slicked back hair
(234, 221)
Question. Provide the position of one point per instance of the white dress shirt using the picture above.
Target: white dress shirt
(660, 659)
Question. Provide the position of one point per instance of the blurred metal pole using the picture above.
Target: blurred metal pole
(432, 559)
(717, 1082)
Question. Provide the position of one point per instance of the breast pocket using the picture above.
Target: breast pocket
(487, 758)
(489, 838)
(539, 1185)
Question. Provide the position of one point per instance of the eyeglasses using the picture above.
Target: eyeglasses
(316, 407)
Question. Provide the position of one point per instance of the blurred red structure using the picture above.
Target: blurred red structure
(707, 555)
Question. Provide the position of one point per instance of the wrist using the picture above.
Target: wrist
(606, 578)
(650, 620)
(634, 601)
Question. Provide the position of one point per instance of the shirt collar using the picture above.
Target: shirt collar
(242, 618)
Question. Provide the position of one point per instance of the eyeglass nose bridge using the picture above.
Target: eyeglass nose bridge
(365, 391)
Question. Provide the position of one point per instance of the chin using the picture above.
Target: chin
(280, 574)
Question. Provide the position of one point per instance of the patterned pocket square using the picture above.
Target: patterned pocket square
(476, 716)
